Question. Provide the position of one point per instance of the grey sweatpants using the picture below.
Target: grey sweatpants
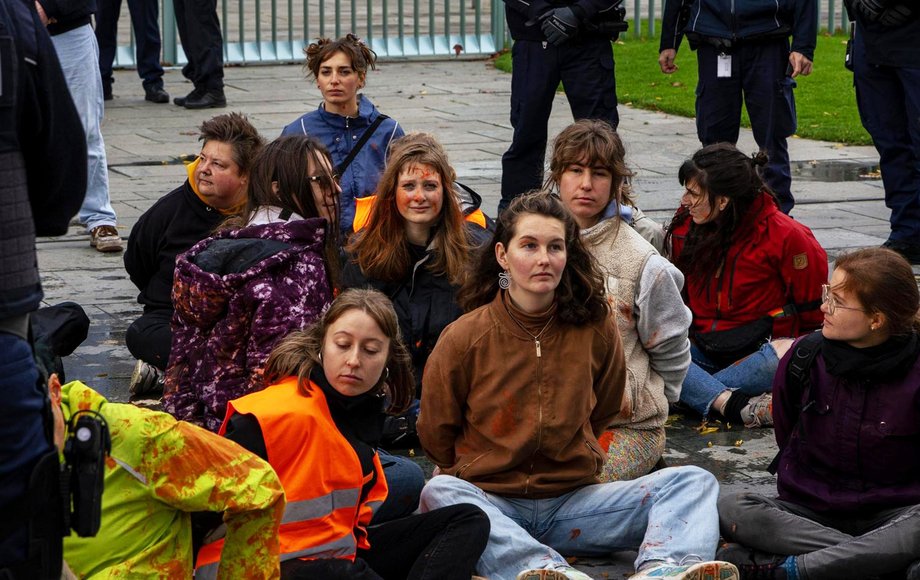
(825, 546)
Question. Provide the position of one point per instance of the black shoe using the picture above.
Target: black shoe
(751, 564)
(195, 94)
(107, 91)
(208, 100)
(155, 94)
(911, 252)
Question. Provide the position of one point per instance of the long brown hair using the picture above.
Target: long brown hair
(718, 170)
(381, 249)
(580, 296)
(299, 352)
(883, 282)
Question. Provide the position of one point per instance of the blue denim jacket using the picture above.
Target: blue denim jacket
(339, 134)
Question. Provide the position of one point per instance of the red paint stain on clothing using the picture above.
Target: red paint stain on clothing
(646, 497)
(575, 533)
(506, 418)
(625, 311)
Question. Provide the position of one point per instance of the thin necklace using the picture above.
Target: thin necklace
(535, 337)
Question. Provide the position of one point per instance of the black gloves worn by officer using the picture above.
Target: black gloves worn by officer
(885, 12)
(559, 25)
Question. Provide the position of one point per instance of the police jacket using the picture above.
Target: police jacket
(741, 20)
(523, 16)
(854, 448)
(69, 14)
(42, 151)
(321, 445)
(159, 472)
(891, 45)
(773, 261)
(339, 134)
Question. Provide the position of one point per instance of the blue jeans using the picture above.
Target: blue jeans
(752, 375)
(76, 49)
(405, 480)
(668, 516)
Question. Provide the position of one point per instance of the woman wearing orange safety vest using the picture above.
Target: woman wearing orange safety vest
(412, 243)
(318, 425)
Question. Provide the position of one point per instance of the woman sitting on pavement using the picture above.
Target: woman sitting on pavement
(849, 499)
(752, 273)
(515, 395)
(318, 425)
(357, 135)
(240, 291)
(588, 168)
(413, 243)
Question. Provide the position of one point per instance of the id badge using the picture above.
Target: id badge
(724, 66)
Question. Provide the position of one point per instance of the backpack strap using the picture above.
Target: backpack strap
(340, 169)
(798, 376)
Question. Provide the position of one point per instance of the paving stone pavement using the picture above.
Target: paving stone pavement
(465, 103)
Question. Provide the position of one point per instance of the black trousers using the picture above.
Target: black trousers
(145, 19)
(586, 71)
(202, 42)
(149, 338)
(443, 544)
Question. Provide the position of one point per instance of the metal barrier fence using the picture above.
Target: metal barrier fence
(277, 30)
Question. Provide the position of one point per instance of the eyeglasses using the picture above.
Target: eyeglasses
(323, 179)
(828, 299)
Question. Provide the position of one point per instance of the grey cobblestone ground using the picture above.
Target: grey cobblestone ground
(465, 104)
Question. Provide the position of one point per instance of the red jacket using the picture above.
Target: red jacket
(773, 261)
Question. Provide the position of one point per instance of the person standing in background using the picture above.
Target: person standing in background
(145, 16)
(203, 44)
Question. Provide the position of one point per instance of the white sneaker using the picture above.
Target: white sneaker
(559, 573)
(714, 570)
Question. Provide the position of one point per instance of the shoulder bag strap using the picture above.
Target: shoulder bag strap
(340, 169)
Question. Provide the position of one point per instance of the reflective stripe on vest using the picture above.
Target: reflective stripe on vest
(310, 509)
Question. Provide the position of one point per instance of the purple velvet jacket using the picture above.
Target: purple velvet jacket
(855, 449)
(236, 294)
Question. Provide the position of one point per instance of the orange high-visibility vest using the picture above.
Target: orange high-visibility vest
(363, 206)
(325, 516)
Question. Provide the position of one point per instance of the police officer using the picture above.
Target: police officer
(556, 40)
(42, 184)
(743, 50)
(886, 45)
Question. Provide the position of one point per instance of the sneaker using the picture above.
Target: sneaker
(195, 94)
(146, 379)
(758, 412)
(560, 573)
(105, 239)
(208, 99)
(910, 251)
(753, 565)
(714, 570)
(155, 94)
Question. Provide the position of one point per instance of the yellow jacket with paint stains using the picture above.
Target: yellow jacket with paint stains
(160, 471)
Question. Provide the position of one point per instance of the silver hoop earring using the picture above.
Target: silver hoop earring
(320, 357)
(504, 280)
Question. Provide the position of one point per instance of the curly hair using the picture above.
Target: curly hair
(883, 282)
(299, 352)
(359, 53)
(280, 178)
(381, 249)
(592, 143)
(580, 296)
(235, 130)
(718, 170)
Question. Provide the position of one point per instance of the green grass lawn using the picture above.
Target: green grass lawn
(825, 100)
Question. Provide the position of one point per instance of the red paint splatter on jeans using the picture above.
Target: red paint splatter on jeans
(575, 533)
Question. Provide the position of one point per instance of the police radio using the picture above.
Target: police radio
(84, 453)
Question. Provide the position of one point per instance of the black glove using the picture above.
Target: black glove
(559, 25)
(895, 16)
